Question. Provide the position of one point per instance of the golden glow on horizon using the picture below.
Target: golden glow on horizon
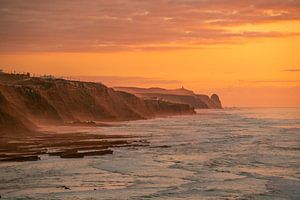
(218, 65)
(263, 63)
(265, 55)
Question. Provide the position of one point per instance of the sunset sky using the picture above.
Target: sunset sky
(247, 51)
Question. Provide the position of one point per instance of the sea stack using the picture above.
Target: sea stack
(215, 98)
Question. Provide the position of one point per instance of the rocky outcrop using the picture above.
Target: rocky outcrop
(27, 101)
(215, 98)
(182, 96)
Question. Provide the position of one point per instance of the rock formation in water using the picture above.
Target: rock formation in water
(181, 95)
(28, 101)
(215, 98)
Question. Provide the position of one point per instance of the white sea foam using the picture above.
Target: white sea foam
(216, 154)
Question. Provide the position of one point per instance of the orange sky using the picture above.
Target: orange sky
(246, 51)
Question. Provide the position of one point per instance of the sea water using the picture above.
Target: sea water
(215, 154)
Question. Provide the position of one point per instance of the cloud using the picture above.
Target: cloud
(292, 70)
(270, 81)
(79, 26)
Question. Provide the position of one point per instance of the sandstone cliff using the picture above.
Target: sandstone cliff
(26, 102)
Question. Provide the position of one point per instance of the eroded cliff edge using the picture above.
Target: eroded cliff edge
(28, 101)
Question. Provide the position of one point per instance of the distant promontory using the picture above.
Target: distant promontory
(182, 96)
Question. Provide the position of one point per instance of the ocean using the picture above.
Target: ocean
(234, 153)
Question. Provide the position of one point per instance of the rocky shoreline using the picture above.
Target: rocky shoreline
(63, 145)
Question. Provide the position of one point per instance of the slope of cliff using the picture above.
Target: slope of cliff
(181, 95)
(12, 123)
(28, 101)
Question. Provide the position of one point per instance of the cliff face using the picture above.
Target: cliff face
(182, 96)
(28, 101)
(7, 121)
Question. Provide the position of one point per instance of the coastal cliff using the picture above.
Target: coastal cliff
(29, 101)
(182, 95)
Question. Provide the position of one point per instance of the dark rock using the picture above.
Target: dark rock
(64, 187)
(215, 98)
(81, 155)
(20, 159)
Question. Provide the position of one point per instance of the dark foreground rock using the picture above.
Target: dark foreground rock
(15, 158)
(71, 145)
(83, 154)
